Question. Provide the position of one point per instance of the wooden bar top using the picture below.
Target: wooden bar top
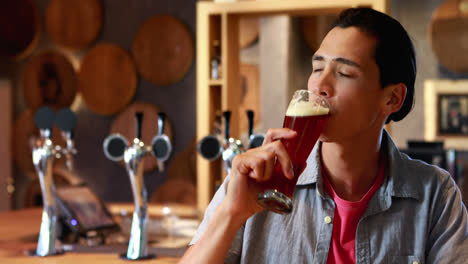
(19, 232)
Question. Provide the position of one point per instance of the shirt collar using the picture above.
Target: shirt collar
(311, 172)
(399, 182)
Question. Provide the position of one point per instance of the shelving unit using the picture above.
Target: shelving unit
(219, 21)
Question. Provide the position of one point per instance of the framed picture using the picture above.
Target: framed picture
(446, 112)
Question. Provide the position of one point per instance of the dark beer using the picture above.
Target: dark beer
(308, 130)
(307, 114)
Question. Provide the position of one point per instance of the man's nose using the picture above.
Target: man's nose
(322, 85)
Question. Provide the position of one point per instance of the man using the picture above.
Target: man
(359, 200)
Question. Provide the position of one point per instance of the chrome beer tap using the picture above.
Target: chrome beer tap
(116, 148)
(210, 147)
(161, 144)
(255, 140)
(231, 146)
(133, 158)
(43, 154)
(66, 122)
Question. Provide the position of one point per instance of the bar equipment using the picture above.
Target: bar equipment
(116, 148)
(231, 146)
(255, 140)
(211, 148)
(161, 145)
(43, 154)
(66, 122)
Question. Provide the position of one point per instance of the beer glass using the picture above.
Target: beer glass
(307, 114)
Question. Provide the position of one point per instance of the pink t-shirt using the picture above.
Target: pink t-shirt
(346, 219)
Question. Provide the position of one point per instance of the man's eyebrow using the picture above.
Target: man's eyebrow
(347, 62)
(317, 58)
(338, 59)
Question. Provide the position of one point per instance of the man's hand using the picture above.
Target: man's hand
(248, 170)
(253, 167)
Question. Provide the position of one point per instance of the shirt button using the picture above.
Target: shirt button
(328, 220)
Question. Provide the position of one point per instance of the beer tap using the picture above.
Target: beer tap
(210, 147)
(231, 146)
(255, 140)
(117, 148)
(43, 154)
(66, 122)
(133, 158)
(161, 144)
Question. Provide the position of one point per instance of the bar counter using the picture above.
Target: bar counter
(19, 232)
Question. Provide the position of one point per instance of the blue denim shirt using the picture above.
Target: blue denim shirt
(416, 216)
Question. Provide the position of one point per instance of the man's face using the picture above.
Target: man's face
(345, 72)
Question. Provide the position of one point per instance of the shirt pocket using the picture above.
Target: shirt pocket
(404, 260)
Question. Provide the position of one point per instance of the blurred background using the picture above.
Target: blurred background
(106, 59)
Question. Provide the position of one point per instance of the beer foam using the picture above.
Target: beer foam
(306, 109)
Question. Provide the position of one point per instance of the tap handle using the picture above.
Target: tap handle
(114, 147)
(217, 124)
(250, 118)
(227, 120)
(44, 119)
(161, 145)
(256, 140)
(210, 148)
(66, 121)
(161, 121)
(139, 120)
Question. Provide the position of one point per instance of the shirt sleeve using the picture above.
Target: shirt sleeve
(448, 238)
(234, 253)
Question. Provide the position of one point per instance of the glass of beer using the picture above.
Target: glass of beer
(307, 114)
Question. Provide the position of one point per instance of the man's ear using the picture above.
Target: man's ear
(394, 97)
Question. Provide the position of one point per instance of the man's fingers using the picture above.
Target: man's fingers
(277, 134)
(268, 162)
(257, 165)
(283, 158)
(279, 154)
(250, 165)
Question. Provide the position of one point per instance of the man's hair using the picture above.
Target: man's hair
(394, 51)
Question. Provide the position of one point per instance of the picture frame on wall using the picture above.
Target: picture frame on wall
(446, 112)
(452, 115)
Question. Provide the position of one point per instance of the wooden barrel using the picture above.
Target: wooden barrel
(163, 50)
(125, 124)
(448, 35)
(49, 79)
(107, 79)
(73, 23)
(19, 28)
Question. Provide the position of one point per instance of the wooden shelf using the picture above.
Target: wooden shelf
(219, 21)
(216, 82)
(289, 7)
